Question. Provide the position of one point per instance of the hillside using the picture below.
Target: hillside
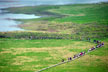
(79, 19)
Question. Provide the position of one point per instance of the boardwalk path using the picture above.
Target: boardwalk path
(58, 64)
(63, 62)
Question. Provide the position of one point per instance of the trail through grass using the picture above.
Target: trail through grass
(33, 55)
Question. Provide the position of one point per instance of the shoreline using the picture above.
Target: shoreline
(10, 20)
(44, 14)
(78, 20)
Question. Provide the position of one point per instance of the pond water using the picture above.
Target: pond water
(7, 22)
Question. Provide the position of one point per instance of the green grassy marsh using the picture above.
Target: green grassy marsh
(78, 19)
(19, 53)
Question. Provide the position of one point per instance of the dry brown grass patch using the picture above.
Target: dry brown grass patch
(29, 67)
(75, 14)
(47, 58)
(3, 52)
(71, 54)
(20, 60)
(87, 60)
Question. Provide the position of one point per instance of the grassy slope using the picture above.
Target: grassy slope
(82, 13)
(30, 55)
(95, 61)
(87, 19)
(33, 55)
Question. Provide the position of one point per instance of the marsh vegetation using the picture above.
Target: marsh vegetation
(59, 34)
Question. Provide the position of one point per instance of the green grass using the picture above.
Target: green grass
(86, 13)
(8, 43)
(93, 62)
(78, 19)
(78, 13)
(34, 54)
(20, 54)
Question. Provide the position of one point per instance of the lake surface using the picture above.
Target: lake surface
(7, 22)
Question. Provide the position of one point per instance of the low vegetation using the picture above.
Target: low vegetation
(78, 19)
(60, 33)
(18, 55)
